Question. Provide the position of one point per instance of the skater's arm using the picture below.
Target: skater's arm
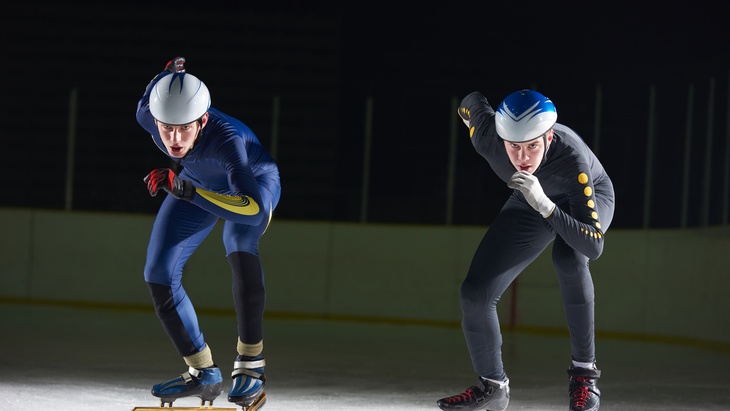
(579, 223)
(478, 116)
(243, 209)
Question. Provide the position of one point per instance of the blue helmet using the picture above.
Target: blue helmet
(525, 115)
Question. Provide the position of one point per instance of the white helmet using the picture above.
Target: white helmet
(179, 98)
(525, 115)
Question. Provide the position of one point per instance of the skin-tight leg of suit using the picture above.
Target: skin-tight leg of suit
(576, 287)
(249, 294)
(576, 283)
(514, 240)
(178, 230)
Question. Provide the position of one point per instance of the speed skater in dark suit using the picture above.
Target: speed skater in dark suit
(562, 195)
(226, 174)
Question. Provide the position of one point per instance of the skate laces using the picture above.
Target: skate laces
(581, 394)
(465, 396)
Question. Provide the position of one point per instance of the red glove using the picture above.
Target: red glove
(165, 179)
(176, 65)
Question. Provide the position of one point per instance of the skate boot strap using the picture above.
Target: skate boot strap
(584, 372)
(249, 364)
(243, 371)
(247, 368)
(192, 372)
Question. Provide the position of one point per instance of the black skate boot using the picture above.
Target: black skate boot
(486, 396)
(584, 394)
(204, 383)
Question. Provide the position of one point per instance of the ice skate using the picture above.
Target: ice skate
(486, 396)
(205, 383)
(584, 394)
(247, 389)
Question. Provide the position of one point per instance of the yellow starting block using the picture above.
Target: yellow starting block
(183, 409)
(253, 407)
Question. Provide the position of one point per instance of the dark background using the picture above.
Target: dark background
(323, 60)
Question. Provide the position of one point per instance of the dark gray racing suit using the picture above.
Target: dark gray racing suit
(573, 178)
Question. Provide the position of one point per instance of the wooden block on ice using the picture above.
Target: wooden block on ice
(183, 409)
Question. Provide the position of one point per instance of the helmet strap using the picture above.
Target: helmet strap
(547, 146)
(546, 143)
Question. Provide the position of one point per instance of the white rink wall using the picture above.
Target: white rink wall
(658, 285)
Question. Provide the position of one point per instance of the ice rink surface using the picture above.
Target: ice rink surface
(80, 359)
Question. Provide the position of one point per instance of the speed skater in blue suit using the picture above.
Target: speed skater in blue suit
(224, 174)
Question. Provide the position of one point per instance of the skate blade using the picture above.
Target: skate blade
(201, 408)
(256, 404)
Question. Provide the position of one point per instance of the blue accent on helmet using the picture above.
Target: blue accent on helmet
(172, 81)
(171, 105)
(525, 115)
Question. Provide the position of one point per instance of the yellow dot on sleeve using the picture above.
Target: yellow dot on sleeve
(598, 225)
(471, 132)
(590, 204)
(587, 191)
(582, 178)
(594, 215)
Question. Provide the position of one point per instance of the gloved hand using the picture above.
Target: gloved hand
(176, 65)
(530, 187)
(165, 179)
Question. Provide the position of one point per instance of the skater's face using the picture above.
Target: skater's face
(527, 156)
(179, 140)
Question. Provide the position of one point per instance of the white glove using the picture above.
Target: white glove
(530, 187)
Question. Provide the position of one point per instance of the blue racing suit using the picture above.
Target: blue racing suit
(573, 178)
(236, 180)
